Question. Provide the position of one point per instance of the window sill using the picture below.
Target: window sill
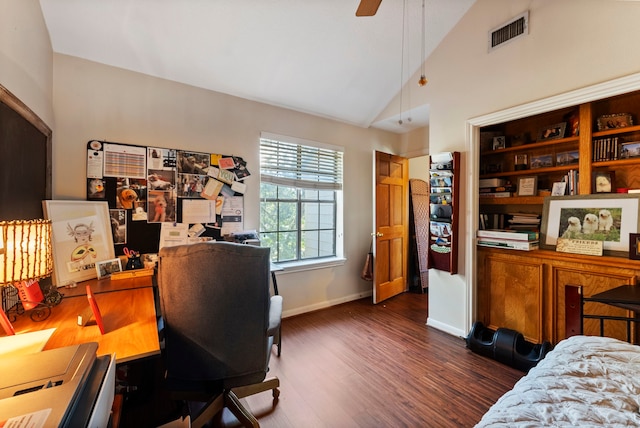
(308, 265)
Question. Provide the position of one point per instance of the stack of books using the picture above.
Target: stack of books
(524, 221)
(510, 239)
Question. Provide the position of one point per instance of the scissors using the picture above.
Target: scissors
(127, 252)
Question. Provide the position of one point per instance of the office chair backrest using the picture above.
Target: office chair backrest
(214, 300)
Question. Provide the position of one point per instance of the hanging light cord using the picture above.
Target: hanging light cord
(404, 7)
(423, 79)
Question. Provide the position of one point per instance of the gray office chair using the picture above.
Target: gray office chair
(216, 310)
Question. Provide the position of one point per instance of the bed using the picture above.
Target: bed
(583, 381)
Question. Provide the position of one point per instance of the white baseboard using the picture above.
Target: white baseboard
(326, 304)
(445, 327)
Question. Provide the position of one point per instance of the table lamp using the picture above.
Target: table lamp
(25, 258)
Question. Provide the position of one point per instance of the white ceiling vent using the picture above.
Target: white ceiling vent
(514, 29)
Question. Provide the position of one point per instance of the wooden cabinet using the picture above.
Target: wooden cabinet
(525, 291)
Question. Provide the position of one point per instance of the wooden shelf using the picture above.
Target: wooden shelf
(616, 131)
(530, 146)
(536, 171)
(514, 200)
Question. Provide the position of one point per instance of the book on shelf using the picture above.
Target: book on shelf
(508, 244)
(496, 195)
(514, 235)
(494, 189)
(606, 149)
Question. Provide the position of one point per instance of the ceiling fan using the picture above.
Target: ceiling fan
(368, 7)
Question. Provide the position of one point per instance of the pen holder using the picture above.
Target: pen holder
(134, 262)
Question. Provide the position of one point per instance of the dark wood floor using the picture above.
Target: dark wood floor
(365, 365)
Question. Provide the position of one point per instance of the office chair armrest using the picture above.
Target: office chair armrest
(275, 315)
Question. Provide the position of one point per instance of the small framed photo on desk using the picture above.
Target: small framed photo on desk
(106, 268)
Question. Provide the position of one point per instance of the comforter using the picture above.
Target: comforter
(584, 381)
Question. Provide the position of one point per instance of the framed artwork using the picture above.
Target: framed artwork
(603, 182)
(613, 121)
(552, 132)
(567, 158)
(81, 237)
(559, 188)
(541, 161)
(527, 186)
(609, 218)
(630, 150)
(499, 142)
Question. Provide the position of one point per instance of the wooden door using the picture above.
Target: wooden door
(391, 226)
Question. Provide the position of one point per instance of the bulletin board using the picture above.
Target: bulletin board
(151, 188)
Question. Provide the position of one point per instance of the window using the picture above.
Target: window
(300, 199)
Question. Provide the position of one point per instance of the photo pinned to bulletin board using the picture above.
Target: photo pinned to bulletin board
(148, 186)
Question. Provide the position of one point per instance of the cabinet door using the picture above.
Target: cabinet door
(592, 282)
(510, 294)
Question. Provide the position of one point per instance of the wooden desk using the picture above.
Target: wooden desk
(128, 312)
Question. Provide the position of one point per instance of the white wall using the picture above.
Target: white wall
(94, 101)
(572, 44)
(26, 56)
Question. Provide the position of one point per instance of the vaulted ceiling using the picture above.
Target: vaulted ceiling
(313, 56)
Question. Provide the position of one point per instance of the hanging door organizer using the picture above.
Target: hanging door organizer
(444, 185)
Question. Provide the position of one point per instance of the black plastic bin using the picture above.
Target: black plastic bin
(507, 346)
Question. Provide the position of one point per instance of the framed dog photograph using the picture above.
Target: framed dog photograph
(609, 218)
(603, 182)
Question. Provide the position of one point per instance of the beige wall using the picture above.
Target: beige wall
(94, 101)
(572, 44)
(26, 56)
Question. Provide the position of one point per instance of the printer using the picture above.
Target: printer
(62, 387)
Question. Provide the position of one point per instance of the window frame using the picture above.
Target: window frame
(300, 263)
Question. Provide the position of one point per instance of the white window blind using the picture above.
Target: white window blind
(300, 166)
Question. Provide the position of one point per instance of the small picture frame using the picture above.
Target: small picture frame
(541, 161)
(603, 182)
(521, 162)
(559, 188)
(634, 246)
(613, 121)
(552, 132)
(528, 186)
(630, 150)
(567, 158)
(105, 268)
(499, 142)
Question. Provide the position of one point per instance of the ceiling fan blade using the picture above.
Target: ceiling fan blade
(368, 7)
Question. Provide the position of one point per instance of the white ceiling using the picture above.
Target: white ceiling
(313, 56)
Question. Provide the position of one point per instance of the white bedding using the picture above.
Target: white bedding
(585, 381)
